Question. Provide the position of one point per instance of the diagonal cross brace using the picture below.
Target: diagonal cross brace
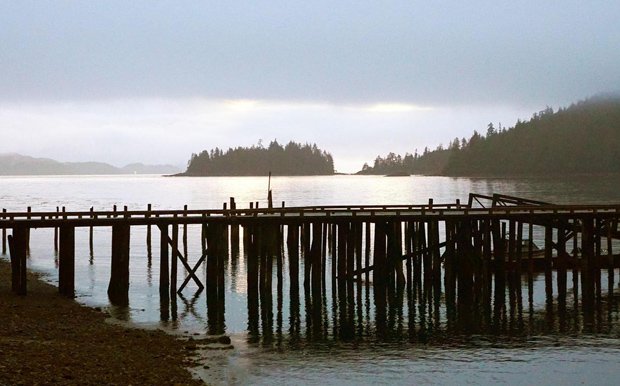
(192, 274)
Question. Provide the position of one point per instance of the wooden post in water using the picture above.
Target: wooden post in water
(598, 256)
(342, 257)
(3, 234)
(450, 267)
(292, 241)
(90, 233)
(512, 246)
(234, 230)
(118, 288)
(561, 265)
(610, 258)
(249, 232)
(587, 255)
(148, 227)
(56, 232)
(174, 259)
(185, 230)
(367, 237)
(18, 246)
(350, 266)
(433, 229)
(66, 261)
(379, 274)
(315, 256)
(548, 263)
(269, 195)
(28, 210)
(575, 261)
(163, 261)
(499, 252)
(519, 252)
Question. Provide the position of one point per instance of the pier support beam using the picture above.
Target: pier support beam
(66, 261)
(18, 246)
(164, 256)
(118, 288)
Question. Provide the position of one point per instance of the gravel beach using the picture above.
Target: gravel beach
(48, 339)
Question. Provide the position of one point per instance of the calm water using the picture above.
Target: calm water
(540, 342)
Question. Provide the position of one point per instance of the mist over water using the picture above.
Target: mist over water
(533, 340)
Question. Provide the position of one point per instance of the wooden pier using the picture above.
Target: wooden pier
(456, 252)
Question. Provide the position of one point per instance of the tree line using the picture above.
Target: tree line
(293, 159)
(581, 138)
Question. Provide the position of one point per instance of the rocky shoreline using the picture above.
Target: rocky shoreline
(48, 339)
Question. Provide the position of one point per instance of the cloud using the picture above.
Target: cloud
(346, 52)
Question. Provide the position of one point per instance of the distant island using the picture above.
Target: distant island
(582, 138)
(293, 159)
(13, 164)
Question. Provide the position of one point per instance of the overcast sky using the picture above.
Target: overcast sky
(154, 81)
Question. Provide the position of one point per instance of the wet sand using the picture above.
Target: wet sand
(48, 339)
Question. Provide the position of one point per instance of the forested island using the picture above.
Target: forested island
(293, 159)
(581, 138)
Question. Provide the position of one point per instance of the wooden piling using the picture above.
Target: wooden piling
(610, 257)
(118, 288)
(185, 231)
(18, 246)
(587, 257)
(3, 233)
(292, 240)
(164, 248)
(66, 261)
(252, 277)
(561, 265)
(317, 270)
(148, 227)
(56, 232)
(174, 259)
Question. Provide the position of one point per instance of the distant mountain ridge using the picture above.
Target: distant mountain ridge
(13, 164)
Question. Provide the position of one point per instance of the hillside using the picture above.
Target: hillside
(294, 159)
(581, 138)
(13, 164)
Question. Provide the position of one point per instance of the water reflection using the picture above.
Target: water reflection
(421, 314)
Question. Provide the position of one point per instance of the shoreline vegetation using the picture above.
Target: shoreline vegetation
(583, 138)
(49, 339)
